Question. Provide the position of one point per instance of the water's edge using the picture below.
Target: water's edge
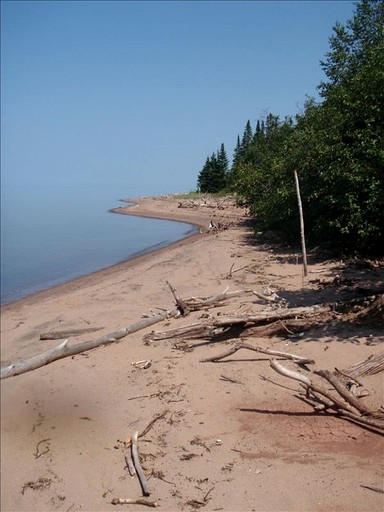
(82, 279)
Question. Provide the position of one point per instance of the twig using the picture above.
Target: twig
(371, 488)
(151, 423)
(224, 377)
(37, 452)
(208, 493)
(136, 461)
(129, 501)
(143, 396)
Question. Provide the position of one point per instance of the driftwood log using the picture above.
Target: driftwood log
(64, 350)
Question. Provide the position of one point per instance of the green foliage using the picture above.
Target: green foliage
(336, 145)
(213, 176)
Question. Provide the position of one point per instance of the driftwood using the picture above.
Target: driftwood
(291, 328)
(211, 327)
(344, 403)
(139, 469)
(129, 501)
(247, 346)
(65, 350)
(374, 364)
(180, 304)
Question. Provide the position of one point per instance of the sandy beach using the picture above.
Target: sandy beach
(234, 435)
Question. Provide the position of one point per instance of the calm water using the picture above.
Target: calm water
(51, 235)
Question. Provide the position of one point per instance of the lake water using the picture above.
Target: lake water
(50, 235)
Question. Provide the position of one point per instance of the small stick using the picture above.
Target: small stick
(224, 377)
(151, 423)
(136, 461)
(143, 396)
(371, 488)
(129, 501)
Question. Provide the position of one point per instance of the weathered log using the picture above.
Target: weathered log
(65, 350)
(247, 346)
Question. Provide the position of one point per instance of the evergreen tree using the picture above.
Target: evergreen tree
(212, 177)
(247, 136)
(222, 159)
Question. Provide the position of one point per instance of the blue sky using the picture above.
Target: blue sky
(115, 92)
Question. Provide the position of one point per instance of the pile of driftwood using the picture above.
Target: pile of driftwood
(218, 203)
(289, 321)
(280, 320)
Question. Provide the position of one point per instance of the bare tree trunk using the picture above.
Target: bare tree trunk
(301, 224)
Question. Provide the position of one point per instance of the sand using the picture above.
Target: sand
(222, 445)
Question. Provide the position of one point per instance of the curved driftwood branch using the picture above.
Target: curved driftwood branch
(290, 373)
(247, 346)
(65, 350)
(139, 469)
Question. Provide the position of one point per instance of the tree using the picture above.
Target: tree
(222, 160)
(212, 177)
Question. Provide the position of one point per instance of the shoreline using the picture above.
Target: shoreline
(89, 278)
(76, 411)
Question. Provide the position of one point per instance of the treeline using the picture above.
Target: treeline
(336, 145)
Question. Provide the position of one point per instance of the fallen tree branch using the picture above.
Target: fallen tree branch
(247, 346)
(180, 304)
(65, 350)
